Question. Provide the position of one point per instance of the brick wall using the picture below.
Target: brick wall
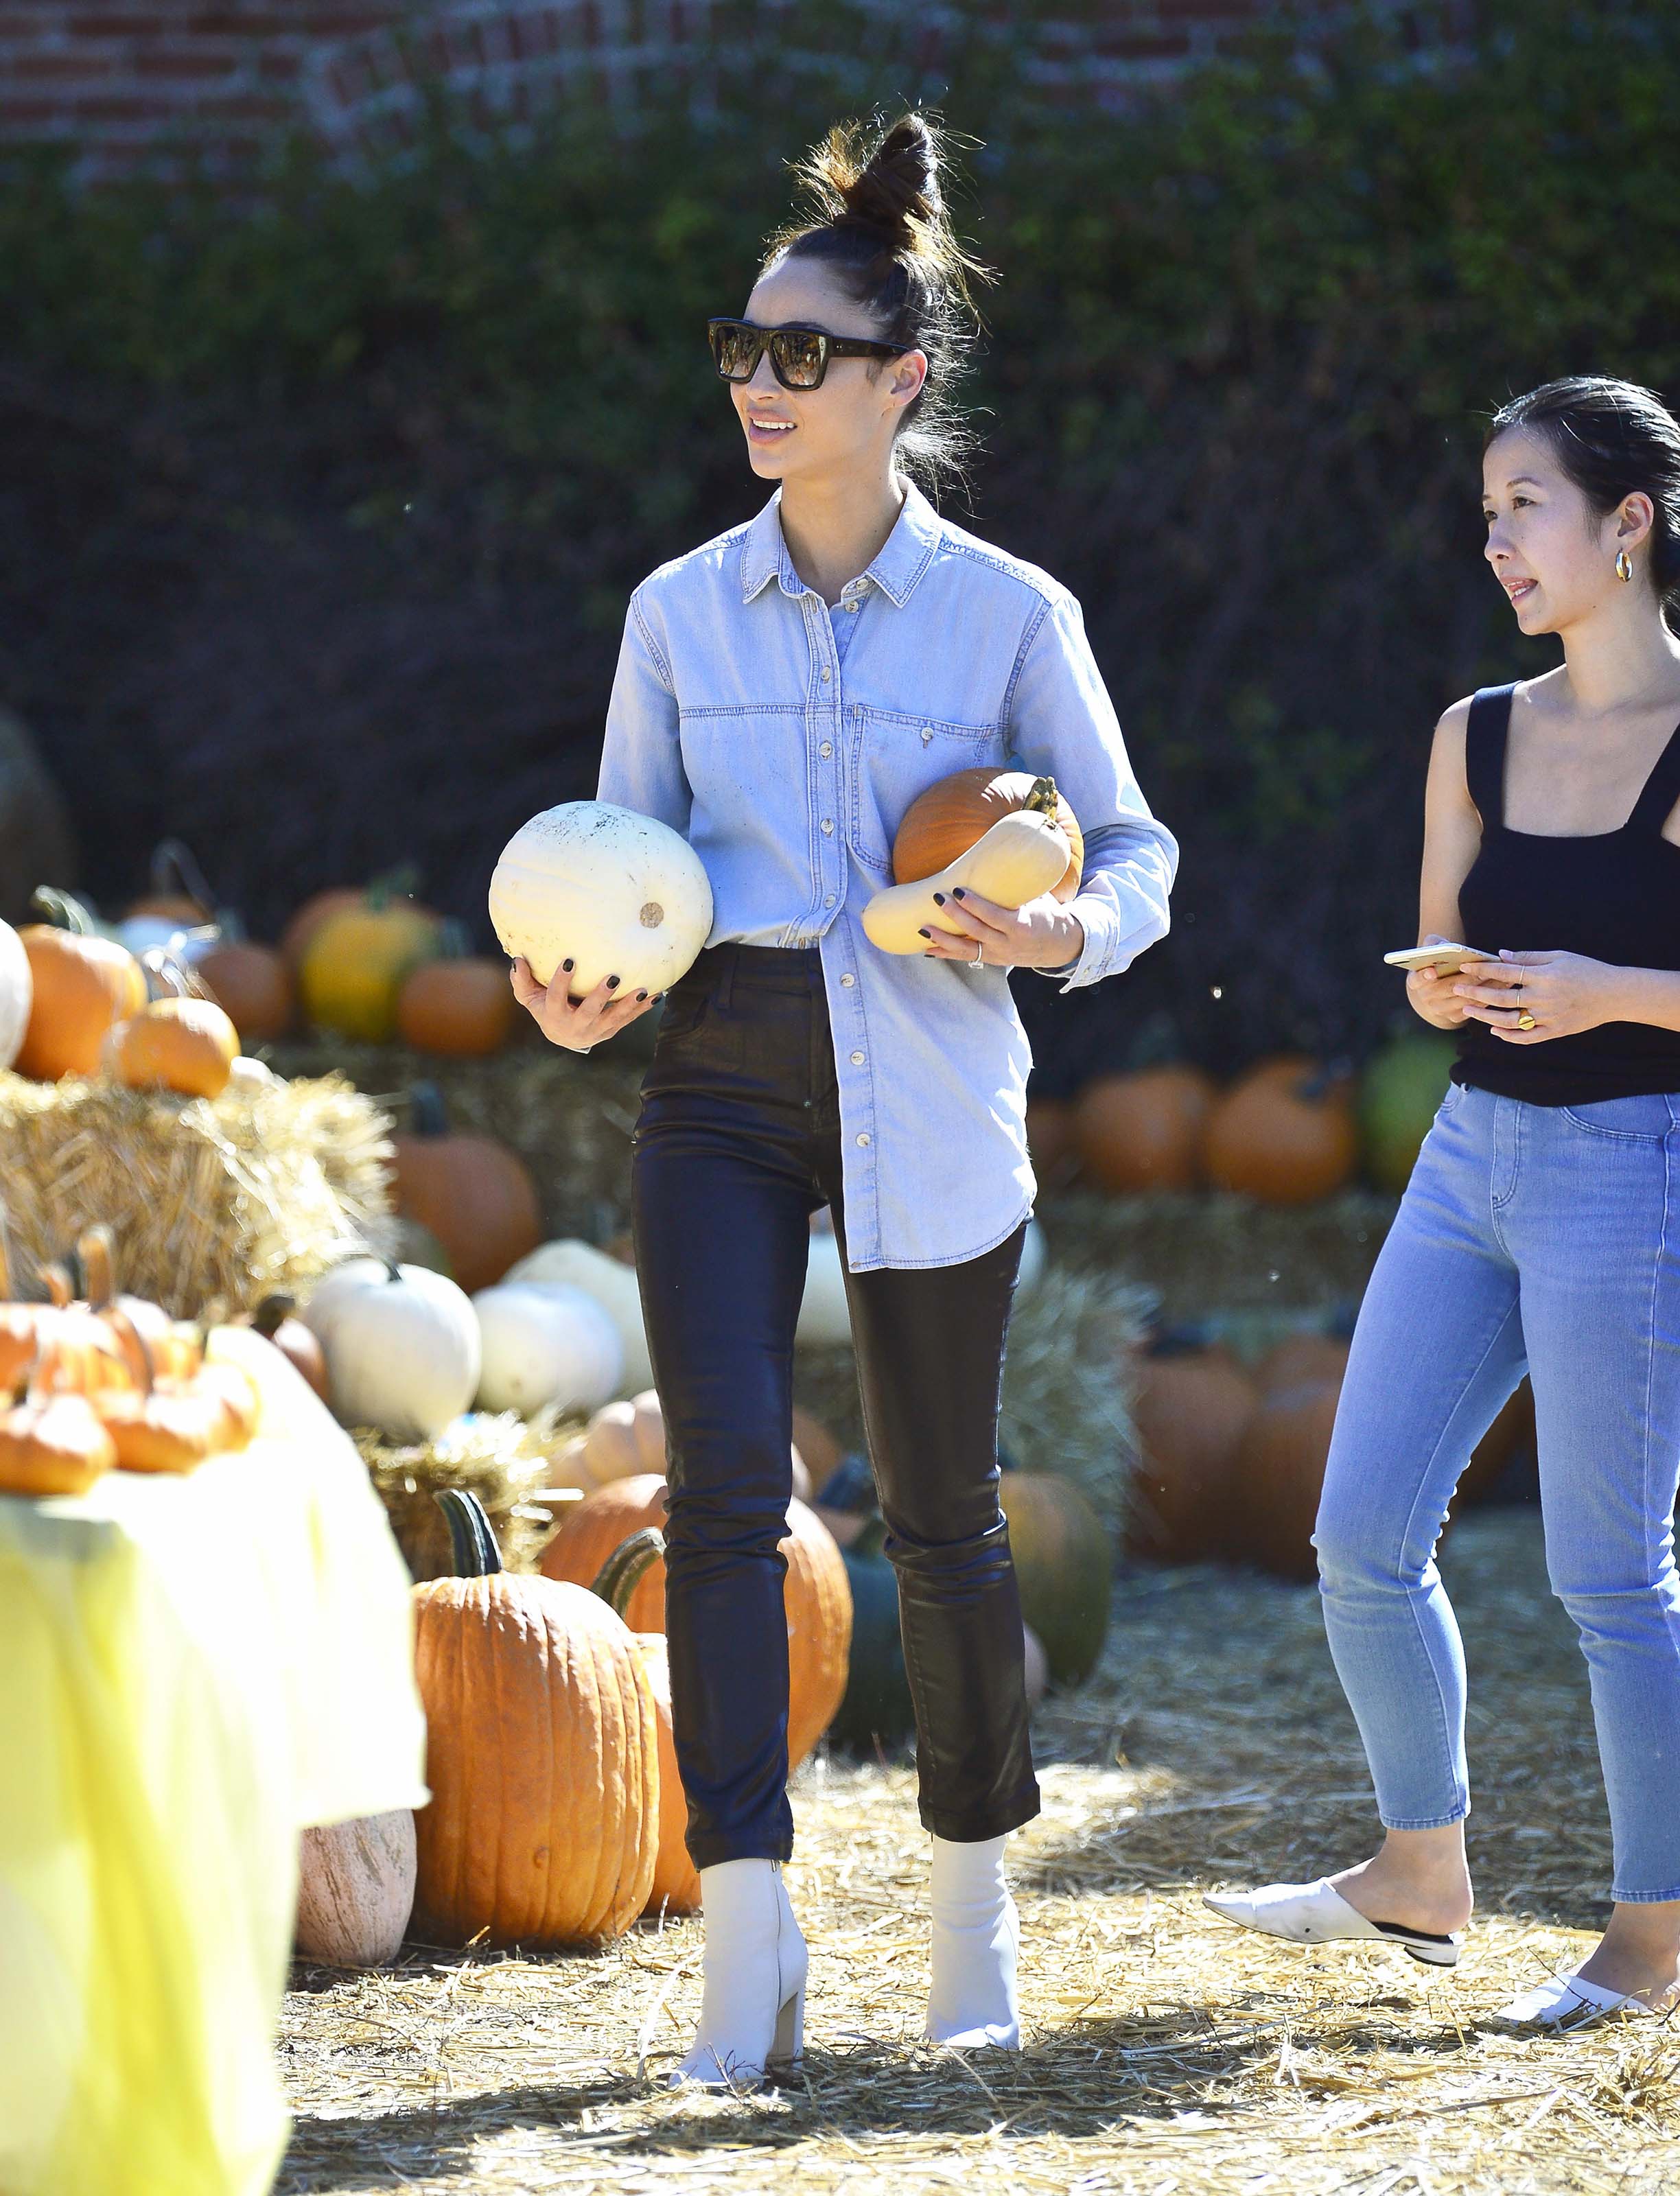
(119, 78)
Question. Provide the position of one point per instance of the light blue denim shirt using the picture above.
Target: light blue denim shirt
(785, 741)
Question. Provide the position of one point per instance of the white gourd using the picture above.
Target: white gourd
(401, 1344)
(543, 1348)
(1023, 856)
(17, 994)
(355, 1890)
(614, 1287)
(617, 893)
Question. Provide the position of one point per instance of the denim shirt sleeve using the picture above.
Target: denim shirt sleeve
(1062, 726)
(641, 761)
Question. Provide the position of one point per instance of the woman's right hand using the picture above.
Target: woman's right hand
(1431, 993)
(576, 1024)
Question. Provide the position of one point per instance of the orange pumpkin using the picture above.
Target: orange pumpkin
(174, 1348)
(1278, 1476)
(1193, 1406)
(83, 984)
(474, 1194)
(253, 983)
(460, 1004)
(272, 1319)
(676, 1884)
(53, 1443)
(1144, 1131)
(1050, 1142)
(182, 1044)
(1284, 1133)
(542, 1753)
(950, 816)
(818, 1595)
(1301, 1358)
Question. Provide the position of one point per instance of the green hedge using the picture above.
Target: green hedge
(1237, 365)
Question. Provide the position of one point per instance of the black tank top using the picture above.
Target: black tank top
(1613, 895)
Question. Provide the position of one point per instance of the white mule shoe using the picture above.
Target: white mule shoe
(752, 2012)
(1567, 2002)
(976, 1944)
(1318, 1914)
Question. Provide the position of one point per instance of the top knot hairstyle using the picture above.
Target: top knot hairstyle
(876, 214)
(1613, 439)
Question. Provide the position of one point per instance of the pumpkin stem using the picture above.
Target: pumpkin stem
(399, 883)
(274, 1308)
(168, 976)
(173, 866)
(1043, 796)
(57, 1280)
(94, 1257)
(623, 1571)
(472, 1544)
(6, 1292)
(429, 1113)
(63, 912)
(135, 1348)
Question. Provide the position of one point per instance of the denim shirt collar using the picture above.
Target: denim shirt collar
(903, 557)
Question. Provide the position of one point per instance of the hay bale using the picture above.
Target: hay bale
(211, 1203)
(494, 1454)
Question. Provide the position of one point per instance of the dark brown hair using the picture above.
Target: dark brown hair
(1613, 439)
(876, 214)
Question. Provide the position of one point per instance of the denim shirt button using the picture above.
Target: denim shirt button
(826, 749)
(828, 901)
(858, 1059)
(828, 825)
(864, 1137)
(827, 674)
(847, 981)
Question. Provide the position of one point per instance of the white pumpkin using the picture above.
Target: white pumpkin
(615, 1288)
(617, 893)
(1032, 1261)
(355, 1890)
(823, 1319)
(251, 1074)
(401, 1344)
(17, 994)
(543, 1347)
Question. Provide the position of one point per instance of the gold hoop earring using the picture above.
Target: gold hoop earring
(1624, 565)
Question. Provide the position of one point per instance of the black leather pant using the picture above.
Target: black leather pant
(737, 1144)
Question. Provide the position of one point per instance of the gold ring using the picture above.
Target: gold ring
(1526, 1020)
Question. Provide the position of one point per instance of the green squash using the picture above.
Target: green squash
(1064, 1564)
(1401, 1088)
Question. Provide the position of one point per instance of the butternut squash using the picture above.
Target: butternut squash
(1021, 857)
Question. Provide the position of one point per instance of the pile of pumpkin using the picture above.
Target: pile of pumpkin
(106, 1383)
(1230, 1458)
(1287, 1131)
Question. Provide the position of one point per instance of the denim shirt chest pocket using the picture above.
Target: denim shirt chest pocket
(895, 757)
(730, 748)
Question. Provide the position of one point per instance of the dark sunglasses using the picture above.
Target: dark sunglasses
(798, 357)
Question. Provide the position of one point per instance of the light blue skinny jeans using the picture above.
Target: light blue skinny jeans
(1544, 1240)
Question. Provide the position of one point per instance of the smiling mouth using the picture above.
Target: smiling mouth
(772, 426)
(1519, 590)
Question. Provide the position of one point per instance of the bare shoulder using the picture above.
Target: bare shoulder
(1451, 728)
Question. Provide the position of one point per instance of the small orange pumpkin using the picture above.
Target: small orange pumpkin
(816, 1592)
(950, 816)
(53, 1443)
(182, 1044)
(474, 1194)
(1144, 1131)
(460, 1004)
(254, 984)
(82, 984)
(1193, 1406)
(1284, 1133)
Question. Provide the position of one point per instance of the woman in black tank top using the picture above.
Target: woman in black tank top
(1540, 1231)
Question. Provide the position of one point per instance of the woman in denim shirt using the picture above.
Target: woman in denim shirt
(783, 694)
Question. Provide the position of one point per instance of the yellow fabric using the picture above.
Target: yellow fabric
(191, 1670)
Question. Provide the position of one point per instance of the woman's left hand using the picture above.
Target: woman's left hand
(1565, 992)
(1043, 934)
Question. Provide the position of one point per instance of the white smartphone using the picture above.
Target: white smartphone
(1445, 959)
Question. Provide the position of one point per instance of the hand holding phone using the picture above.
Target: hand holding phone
(1445, 958)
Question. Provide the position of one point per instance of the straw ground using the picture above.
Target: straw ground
(1165, 2052)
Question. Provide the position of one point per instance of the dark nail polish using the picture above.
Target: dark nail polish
(640, 996)
(569, 966)
(957, 893)
(658, 996)
(939, 899)
(612, 983)
(924, 933)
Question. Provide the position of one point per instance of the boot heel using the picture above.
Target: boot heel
(790, 2027)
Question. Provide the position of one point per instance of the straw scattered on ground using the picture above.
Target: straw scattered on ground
(1166, 2052)
(501, 1458)
(211, 1203)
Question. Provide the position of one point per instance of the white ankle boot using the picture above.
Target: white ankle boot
(976, 1938)
(752, 2012)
